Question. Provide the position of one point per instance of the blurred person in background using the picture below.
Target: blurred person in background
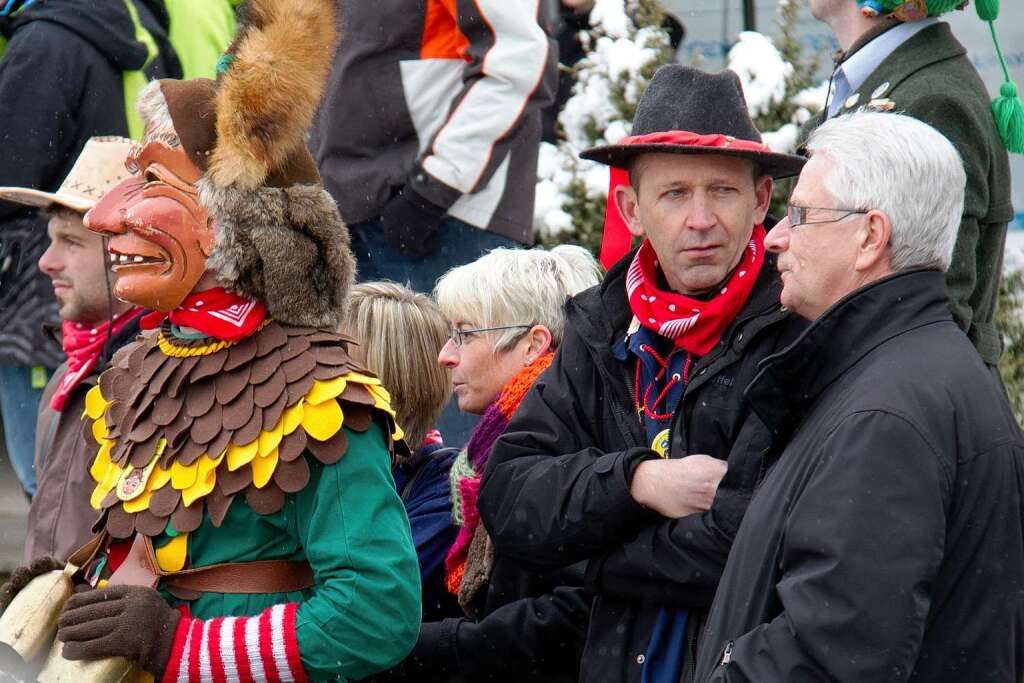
(399, 333)
(95, 325)
(573, 17)
(200, 31)
(68, 71)
(907, 59)
(427, 135)
(506, 312)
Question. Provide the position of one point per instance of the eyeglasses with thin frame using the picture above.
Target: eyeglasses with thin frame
(458, 337)
(797, 215)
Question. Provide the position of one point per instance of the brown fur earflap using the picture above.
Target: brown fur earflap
(266, 99)
(287, 247)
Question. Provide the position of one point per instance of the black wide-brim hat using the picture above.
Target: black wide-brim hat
(683, 99)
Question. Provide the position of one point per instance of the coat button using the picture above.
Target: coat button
(640, 659)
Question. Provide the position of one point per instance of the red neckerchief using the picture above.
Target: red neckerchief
(433, 438)
(694, 325)
(617, 240)
(216, 313)
(83, 345)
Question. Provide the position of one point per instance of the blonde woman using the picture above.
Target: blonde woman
(506, 315)
(399, 332)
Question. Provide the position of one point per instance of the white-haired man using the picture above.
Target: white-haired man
(886, 542)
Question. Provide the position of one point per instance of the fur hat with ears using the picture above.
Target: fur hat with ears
(279, 237)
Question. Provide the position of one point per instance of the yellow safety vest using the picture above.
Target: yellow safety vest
(135, 81)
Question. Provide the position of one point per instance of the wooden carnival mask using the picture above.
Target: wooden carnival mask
(160, 234)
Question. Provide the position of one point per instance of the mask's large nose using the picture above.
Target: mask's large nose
(107, 217)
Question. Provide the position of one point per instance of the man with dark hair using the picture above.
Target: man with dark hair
(616, 455)
(68, 71)
(95, 325)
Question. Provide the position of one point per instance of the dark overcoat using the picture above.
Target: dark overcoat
(886, 541)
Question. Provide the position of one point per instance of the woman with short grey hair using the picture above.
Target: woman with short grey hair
(506, 312)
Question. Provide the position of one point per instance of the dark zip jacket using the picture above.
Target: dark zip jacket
(536, 619)
(886, 544)
(61, 82)
(442, 97)
(422, 482)
(556, 488)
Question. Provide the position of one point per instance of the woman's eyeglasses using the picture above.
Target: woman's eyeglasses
(459, 337)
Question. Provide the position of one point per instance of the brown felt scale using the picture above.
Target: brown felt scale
(184, 424)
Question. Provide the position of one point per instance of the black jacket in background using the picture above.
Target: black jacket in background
(556, 487)
(531, 627)
(887, 541)
(61, 82)
(534, 619)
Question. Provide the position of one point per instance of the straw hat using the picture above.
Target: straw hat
(99, 167)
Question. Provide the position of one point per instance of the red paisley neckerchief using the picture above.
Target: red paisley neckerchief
(216, 313)
(83, 345)
(694, 325)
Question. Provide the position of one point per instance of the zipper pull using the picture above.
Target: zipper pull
(726, 655)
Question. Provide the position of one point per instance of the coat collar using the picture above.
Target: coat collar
(929, 46)
(858, 65)
(791, 380)
(933, 44)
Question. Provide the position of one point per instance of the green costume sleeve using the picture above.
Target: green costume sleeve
(364, 613)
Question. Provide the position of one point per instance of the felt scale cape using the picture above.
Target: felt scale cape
(187, 424)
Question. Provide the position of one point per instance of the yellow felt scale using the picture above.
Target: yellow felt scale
(171, 555)
(318, 413)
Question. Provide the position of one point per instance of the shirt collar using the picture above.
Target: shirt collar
(629, 343)
(864, 61)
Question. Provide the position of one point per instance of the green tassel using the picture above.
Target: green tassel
(988, 10)
(1009, 113)
(1007, 109)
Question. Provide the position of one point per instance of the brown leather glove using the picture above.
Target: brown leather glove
(133, 622)
(21, 577)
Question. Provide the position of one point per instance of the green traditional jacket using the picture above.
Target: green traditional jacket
(275, 447)
(350, 525)
(930, 78)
